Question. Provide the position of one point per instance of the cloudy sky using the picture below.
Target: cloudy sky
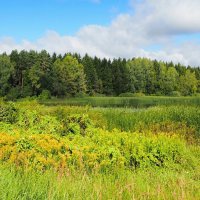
(158, 29)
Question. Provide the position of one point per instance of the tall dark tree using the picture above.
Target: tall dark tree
(6, 72)
(120, 76)
(106, 76)
(92, 81)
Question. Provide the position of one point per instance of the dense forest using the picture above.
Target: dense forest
(31, 73)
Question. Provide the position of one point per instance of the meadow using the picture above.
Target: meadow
(134, 102)
(147, 148)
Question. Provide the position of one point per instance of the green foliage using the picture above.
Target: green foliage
(139, 94)
(24, 144)
(175, 94)
(57, 152)
(81, 95)
(69, 76)
(75, 124)
(26, 91)
(171, 80)
(98, 150)
(111, 148)
(127, 94)
(132, 120)
(8, 112)
(120, 75)
(13, 94)
(106, 77)
(26, 73)
(197, 94)
(142, 75)
(93, 83)
(99, 95)
(34, 75)
(37, 123)
(45, 95)
(188, 83)
(6, 71)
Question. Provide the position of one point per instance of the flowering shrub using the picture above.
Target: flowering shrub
(32, 136)
(98, 150)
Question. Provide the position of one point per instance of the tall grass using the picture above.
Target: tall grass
(185, 119)
(136, 102)
(131, 120)
(153, 184)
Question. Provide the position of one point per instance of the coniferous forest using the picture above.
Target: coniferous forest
(31, 73)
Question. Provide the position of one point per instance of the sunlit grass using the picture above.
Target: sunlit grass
(151, 184)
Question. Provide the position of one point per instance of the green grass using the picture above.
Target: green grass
(137, 119)
(136, 102)
(149, 184)
(185, 119)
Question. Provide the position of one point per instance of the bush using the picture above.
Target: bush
(8, 112)
(98, 150)
(98, 95)
(197, 94)
(26, 91)
(13, 94)
(45, 95)
(75, 124)
(127, 94)
(81, 95)
(158, 94)
(139, 94)
(175, 94)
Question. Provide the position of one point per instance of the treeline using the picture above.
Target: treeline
(31, 73)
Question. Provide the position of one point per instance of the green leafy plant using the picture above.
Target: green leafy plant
(45, 95)
(8, 112)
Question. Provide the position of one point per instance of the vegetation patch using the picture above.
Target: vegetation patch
(155, 148)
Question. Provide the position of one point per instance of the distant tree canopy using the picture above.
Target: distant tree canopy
(29, 73)
(69, 77)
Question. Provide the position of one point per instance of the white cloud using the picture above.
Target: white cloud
(169, 16)
(153, 22)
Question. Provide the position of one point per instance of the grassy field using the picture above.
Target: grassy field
(134, 102)
(154, 184)
(53, 150)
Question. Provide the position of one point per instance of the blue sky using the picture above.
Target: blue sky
(31, 18)
(167, 30)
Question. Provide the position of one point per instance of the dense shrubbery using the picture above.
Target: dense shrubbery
(43, 138)
(99, 150)
(46, 94)
(8, 112)
(59, 152)
(175, 94)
